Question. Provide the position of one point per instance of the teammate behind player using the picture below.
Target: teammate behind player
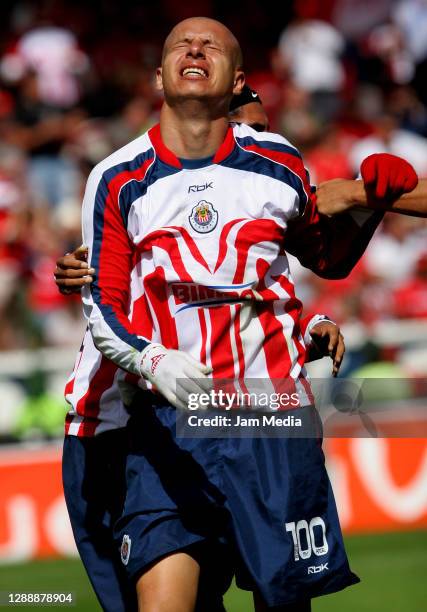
(247, 108)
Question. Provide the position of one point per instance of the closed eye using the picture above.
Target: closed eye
(258, 127)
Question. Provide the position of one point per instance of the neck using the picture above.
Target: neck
(191, 130)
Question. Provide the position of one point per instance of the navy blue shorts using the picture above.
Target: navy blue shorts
(93, 472)
(262, 508)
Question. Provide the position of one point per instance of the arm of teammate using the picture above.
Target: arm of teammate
(323, 338)
(330, 246)
(388, 183)
(72, 271)
(106, 301)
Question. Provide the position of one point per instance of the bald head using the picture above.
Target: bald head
(209, 30)
(201, 62)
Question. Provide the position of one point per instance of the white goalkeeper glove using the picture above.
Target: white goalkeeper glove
(174, 373)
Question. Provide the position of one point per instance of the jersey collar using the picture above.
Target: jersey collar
(171, 159)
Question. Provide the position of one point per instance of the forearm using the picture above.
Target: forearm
(340, 195)
(118, 344)
(413, 203)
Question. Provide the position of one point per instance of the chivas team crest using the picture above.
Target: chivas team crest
(125, 549)
(204, 217)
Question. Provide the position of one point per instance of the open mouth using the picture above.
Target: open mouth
(194, 72)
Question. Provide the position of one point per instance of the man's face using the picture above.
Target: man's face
(200, 60)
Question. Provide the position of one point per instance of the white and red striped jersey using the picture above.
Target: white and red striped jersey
(192, 254)
(94, 393)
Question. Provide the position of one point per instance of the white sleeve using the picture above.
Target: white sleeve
(106, 300)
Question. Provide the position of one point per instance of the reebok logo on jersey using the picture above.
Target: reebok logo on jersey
(125, 549)
(203, 218)
(193, 188)
(155, 362)
(315, 569)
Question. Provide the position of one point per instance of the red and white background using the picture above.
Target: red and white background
(380, 485)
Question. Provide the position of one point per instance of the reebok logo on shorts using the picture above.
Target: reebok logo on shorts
(315, 569)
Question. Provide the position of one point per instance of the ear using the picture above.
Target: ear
(159, 79)
(239, 82)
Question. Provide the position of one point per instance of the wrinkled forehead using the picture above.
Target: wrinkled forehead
(207, 30)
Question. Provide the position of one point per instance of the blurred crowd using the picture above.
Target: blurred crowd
(339, 78)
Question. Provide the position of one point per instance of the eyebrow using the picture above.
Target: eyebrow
(207, 38)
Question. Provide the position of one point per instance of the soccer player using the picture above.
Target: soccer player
(97, 459)
(95, 447)
(187, 228)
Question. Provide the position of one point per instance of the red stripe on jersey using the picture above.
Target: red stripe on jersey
(276, 351)
(226, 147)
(143, 322)
(275, 347)
(88, 405)
(161, 149)
(304, 323)
(156, 291)
(221, 350)
(307, 388)
(192, 246)
(116, 256)
(167, 241)
(68, 420)
(300, 346)
(69, 387)
(141, 317)
(239, 344)
(262, 267)
(253, 232)
(222, 252)
(124, 177)
(204, 332)
(288, 286)
(292, 162)
(293, 307)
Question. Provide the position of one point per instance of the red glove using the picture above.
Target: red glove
(387, 177)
